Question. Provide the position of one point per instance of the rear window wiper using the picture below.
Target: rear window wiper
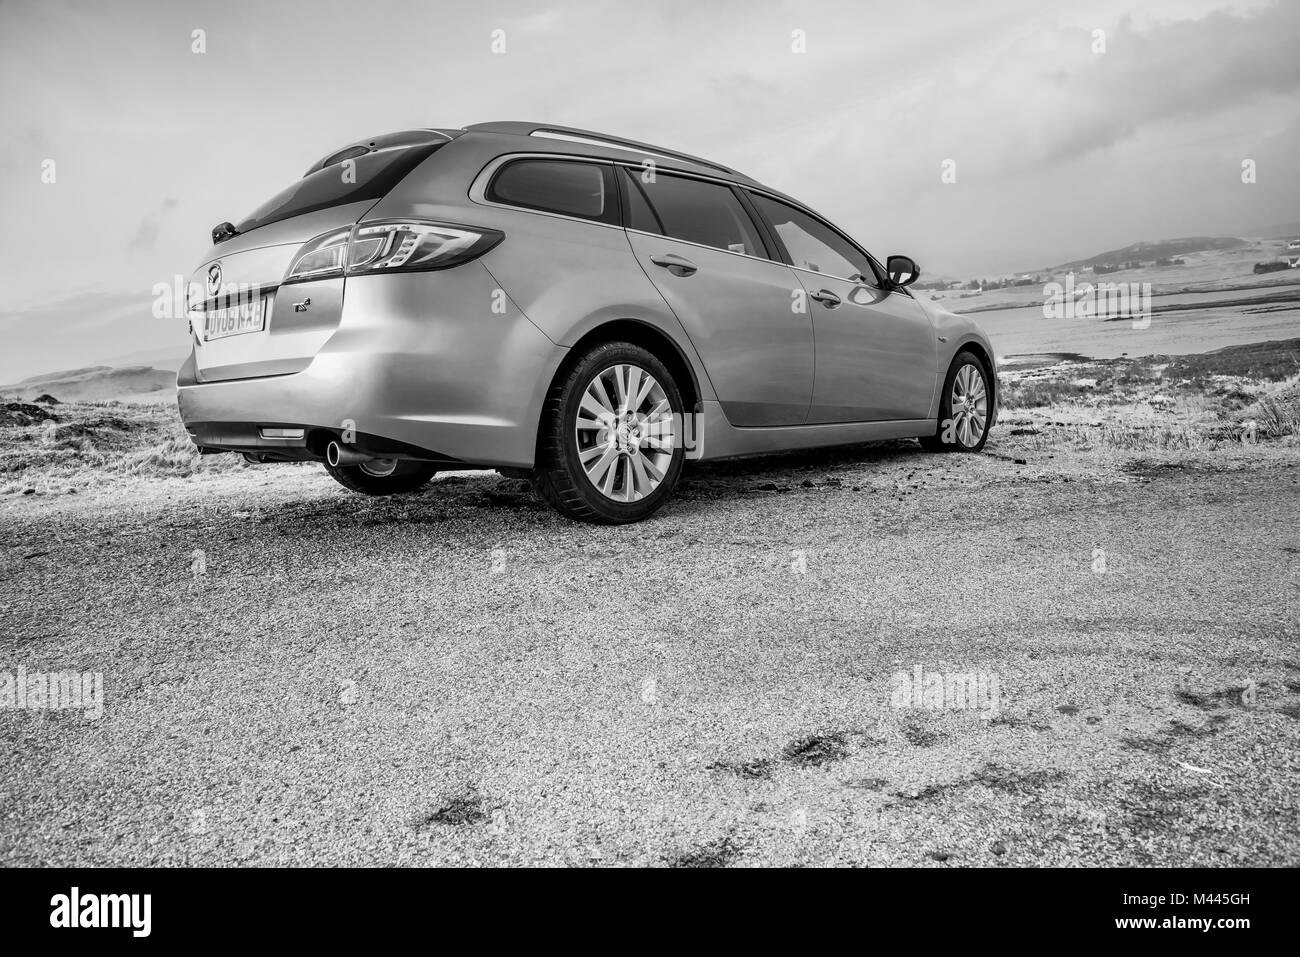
(222, 232)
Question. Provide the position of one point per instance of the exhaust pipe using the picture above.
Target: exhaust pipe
(337, 455)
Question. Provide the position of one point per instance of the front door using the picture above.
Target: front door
(876, 348)
(702, 251)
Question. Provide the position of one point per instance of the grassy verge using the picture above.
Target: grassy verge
(1233, 398)
(1240, 395)
(63, 447)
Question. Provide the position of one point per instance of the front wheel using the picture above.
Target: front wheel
(382, 476)
(608, 450)
(964, 411)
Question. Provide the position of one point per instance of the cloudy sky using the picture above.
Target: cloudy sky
(1059, 151)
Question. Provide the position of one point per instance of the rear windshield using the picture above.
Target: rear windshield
(366, 177)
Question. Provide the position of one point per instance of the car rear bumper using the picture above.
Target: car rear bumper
(293, 442)
(454, 381)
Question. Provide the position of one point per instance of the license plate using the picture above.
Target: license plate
(235, 320)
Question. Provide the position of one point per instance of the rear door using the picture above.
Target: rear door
(244, 320)
(706, 256)
(876, 348)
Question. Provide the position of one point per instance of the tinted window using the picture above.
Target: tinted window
(693, 210)
(556, 186)
(368, 176)
(640, 215)
(814, 245)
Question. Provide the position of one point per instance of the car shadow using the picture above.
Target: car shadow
(848, 466)
(450, 497)
(783, 465)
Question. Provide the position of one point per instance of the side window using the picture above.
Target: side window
(569, 187)
(814, 245)
(692, 210)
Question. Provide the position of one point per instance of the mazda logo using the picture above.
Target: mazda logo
(214, 279)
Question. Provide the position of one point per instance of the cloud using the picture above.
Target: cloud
(1174, 72)
(1146, 138)
(146, 234)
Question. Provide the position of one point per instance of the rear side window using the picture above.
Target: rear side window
(692, 210)
(368, 176)
(568, 187)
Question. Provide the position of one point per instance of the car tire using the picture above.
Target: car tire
(608, 449)
(369, 480)
(967, 389)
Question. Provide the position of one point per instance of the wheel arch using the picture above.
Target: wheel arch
(978, 349)
(648, 337)
(639, 333)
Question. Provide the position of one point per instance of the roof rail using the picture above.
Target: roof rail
(590, 138)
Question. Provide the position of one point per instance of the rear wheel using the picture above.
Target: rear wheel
(382, 476)
(608, 451)
(964, 411)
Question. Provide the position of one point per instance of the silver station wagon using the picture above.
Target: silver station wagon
(578, 309)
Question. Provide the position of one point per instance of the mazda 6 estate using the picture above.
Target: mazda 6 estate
(581, 310)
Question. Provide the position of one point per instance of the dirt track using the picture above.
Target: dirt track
(463, 677)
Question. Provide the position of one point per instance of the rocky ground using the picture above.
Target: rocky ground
(295, 674)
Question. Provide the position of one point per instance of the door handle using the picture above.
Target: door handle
(826, 298)
(675, 264)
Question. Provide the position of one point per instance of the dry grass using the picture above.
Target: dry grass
(1241, 395)
(76, 444)
(1279, 414)
(1150, 405)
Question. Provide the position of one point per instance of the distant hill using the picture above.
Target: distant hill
(96, 384)
(1160, 249)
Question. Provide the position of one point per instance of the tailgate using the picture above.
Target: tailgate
(249, 325)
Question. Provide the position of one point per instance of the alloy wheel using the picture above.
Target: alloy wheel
(625, 432)
(970, 405)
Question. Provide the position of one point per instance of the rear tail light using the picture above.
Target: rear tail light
(397, 246)
(323, 256)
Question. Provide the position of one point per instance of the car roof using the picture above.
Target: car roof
(515, 135)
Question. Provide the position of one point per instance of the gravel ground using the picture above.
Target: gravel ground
(462, 677)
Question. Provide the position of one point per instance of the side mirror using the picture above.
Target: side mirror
(903, 270)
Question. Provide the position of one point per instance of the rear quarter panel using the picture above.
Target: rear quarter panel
(567, 276)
